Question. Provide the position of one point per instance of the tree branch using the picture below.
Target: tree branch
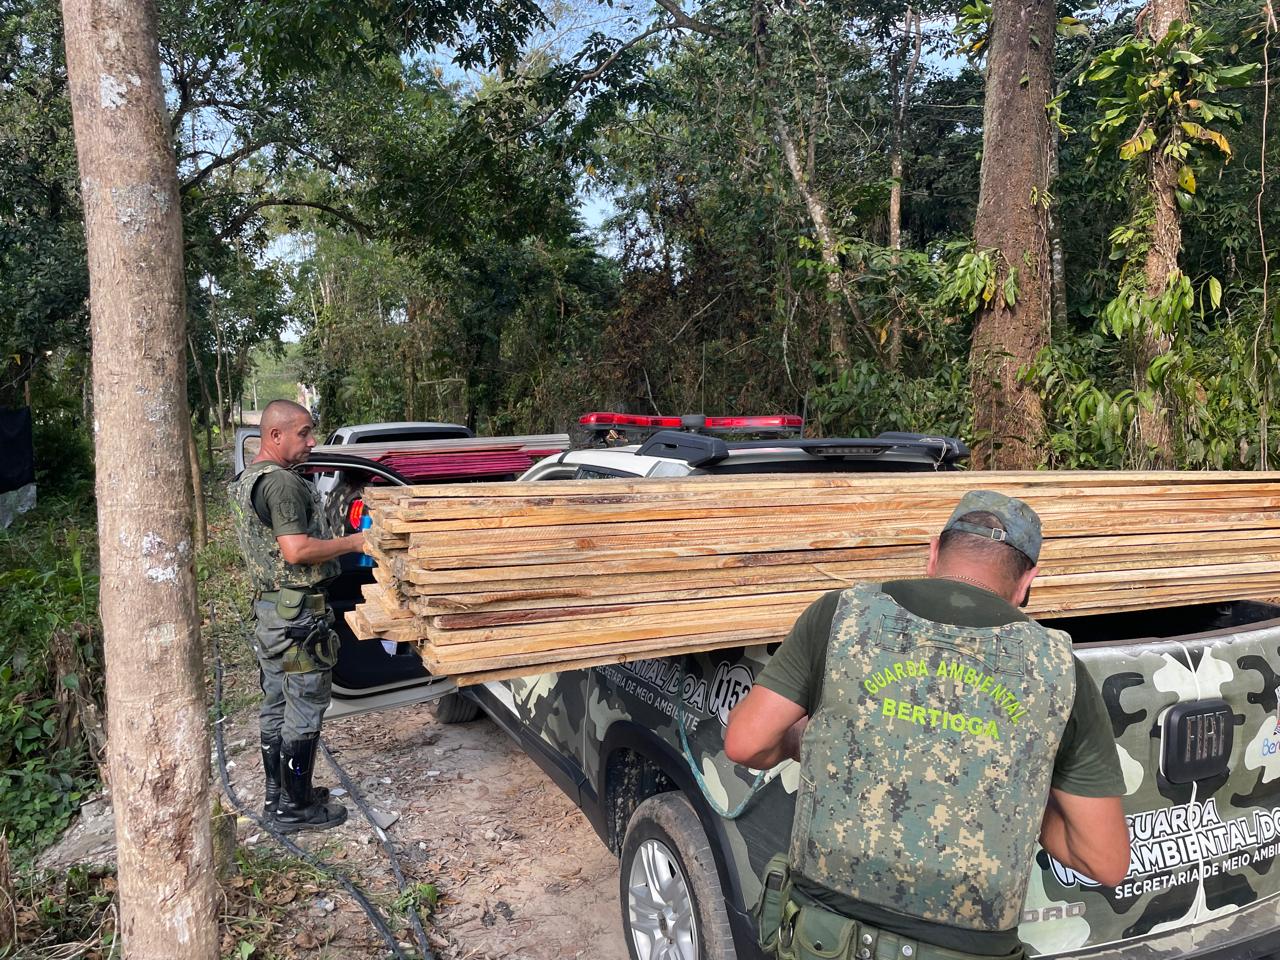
(235, 156)
(686, 22)
(245, 215)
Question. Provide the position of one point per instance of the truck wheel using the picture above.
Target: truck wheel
(455, 708)
(672, 903)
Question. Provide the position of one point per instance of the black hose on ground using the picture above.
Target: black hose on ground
(419, 933)
(375, 918)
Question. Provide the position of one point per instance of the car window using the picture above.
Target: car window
(601, 473)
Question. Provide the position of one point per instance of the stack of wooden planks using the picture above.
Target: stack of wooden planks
(500, 580)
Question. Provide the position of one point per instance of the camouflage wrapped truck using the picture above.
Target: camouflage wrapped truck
(1192, 695)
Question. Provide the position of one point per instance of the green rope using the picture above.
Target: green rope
(756, 785)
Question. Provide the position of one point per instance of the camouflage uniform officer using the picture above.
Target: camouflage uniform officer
(291, 554)
(940, 734)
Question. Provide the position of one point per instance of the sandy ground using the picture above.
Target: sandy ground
(522, 874)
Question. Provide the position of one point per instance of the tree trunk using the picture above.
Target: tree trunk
(158, 741)
(1057, 253)
(901, 76)
(197, 488)
(8, 902)
(1012, 224)
(828, 243)
(208, 403)
(1155, 426)
(837, 289)
(223, 417)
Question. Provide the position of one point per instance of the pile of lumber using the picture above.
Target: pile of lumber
(505, 579)
(456, 457)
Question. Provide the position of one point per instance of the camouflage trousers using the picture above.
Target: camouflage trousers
(791, 926)
(295, 682)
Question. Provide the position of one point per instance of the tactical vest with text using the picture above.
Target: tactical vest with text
(267, 567)
(925, 768)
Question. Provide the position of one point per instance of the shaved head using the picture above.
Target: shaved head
(286, 431)
(281, 413)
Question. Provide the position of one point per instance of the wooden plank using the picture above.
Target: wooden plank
(597, 660)
(929, 480)
(494, 578)
(497, 513)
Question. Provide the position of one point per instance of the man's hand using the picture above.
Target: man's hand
(1087, 834)
(298, 548)
(764, 729)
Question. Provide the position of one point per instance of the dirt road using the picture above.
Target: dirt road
(523, 874)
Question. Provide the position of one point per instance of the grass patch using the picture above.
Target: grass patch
(71, 914)
(50, 664)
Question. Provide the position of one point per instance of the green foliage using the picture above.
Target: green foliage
(1088, 413)
(971, 282)
(46, 584)
(1166, 93)
(867, 399)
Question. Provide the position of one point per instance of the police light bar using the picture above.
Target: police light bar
(628, 421)
(778, 423)
(782, 422)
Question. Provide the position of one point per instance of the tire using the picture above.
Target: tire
(455, 708)
(666, 848)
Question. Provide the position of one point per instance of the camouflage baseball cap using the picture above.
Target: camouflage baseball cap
(1021, 524)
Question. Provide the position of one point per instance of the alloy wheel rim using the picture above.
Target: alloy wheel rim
(660, 905)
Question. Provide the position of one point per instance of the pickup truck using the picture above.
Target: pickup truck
(1193, 694)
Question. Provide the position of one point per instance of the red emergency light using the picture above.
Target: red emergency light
(788, 421)
(777, 423)
(629, 420)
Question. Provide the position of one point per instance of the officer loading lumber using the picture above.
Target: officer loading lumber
(291, 554)
(940, 732)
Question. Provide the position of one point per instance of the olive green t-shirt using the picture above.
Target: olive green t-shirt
(282, 501)
(1086, 764)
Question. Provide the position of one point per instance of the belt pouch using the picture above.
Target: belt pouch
(775, 886)
(823, 935)
(289, 603)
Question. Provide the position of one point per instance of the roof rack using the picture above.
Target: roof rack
(700, 451)
(693, 448)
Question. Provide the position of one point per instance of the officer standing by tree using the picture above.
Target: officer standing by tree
(940, 732)
(291, 554)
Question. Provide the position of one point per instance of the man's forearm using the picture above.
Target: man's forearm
(788, 748)
(313, 550)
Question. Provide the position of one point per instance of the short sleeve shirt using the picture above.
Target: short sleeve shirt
(283, 501)
(1086, 765)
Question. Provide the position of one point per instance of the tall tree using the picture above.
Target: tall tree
(1155, 424)
(1012, 227)
(158, 740)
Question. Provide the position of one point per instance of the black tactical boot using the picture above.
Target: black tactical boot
(271, 768)
(298, 808)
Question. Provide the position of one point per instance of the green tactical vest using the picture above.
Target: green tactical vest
(267, 567)
(925, 768)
